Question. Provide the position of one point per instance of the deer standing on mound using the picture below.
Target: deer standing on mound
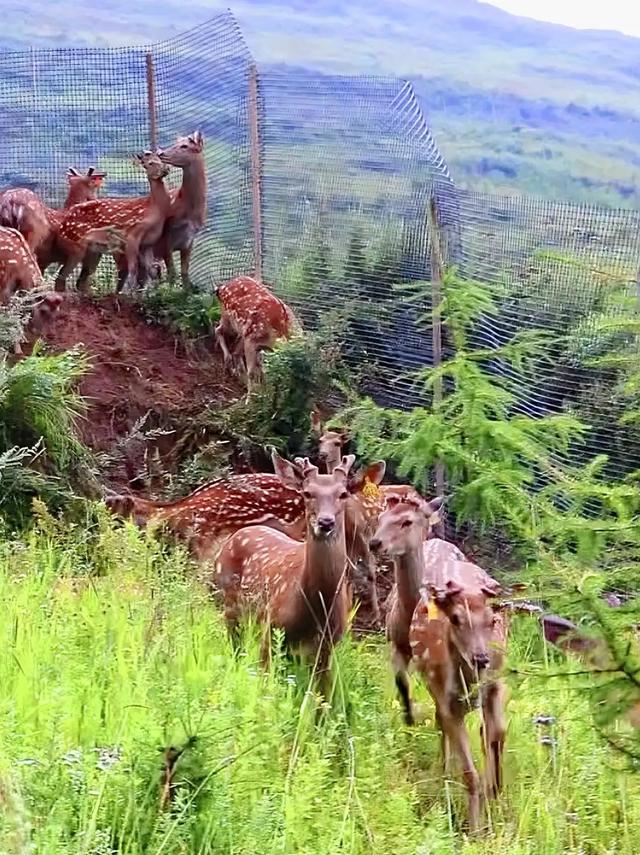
(456, 638)
(122, 226)
(23, 210)
(298, 587)
(19, 269)
(256, 318)
(211, 513)
(189, 208)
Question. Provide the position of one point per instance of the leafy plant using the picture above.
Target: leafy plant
(183, 312)
(40, 453)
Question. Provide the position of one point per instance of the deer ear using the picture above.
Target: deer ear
(198, 138)
(346, 463)
(72, 172)
(445, 596)
(433, 510)
(316, 423)
(491, 588)
(289, 473)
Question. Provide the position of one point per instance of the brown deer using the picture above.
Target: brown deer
(298, 587)
(189, 209)
(364, 507)
(19, 269)
(23, 210)
(212, 512)
(255, 317)
(122, 226)
(456, 638)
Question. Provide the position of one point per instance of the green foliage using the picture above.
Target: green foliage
(119, 655)
(183, 312)
(40, 453)
(298, 374)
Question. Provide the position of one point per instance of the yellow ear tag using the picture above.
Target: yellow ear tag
(433, 612)
(370, 490)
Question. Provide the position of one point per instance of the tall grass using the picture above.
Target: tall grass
(112, 653)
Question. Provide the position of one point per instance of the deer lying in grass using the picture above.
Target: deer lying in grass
(298, 587)
(125, 227)
(254, 317)
(211, 513)
(456, 638)
(23, 210)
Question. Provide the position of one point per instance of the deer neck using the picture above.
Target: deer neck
(409, 573)
(159, 195)
(193, 191)
(325, 563)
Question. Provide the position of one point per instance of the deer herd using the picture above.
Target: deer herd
(285, 547)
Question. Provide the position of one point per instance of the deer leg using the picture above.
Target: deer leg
(454, 730)
(252, 361)
(370, 570)
(493, 734)
(400, 664)
(445, 747)
(65, 271)
(89, 265)
(185, 260)
(131, 251)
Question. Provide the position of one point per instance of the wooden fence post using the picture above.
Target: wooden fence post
(256, 170)
(151, 99)
(437, 273)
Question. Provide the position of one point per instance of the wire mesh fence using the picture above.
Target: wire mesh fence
(338, 215)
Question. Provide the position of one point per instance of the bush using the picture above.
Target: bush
(183, 312)
(40, 453)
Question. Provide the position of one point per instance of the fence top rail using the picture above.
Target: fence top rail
(226, 18)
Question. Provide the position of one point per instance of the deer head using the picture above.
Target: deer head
(324, 495)
(472, 620)
(83, 188)
(152, 164)
(184, 150)
(330, 442)
(402, 527)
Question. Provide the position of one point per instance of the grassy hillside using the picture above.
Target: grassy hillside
(516, 105)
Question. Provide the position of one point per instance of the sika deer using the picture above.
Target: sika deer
(23, 210)
(254, 316)
(455, 636)
(19, 269)
(212, 512)
(122, 226)
(298, 587)
(189, 209)
(403, 533)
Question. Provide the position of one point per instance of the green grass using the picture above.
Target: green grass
(112, 650)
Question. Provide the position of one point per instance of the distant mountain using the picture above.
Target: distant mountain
(516, 105)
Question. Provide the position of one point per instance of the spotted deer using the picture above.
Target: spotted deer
(297, 587)
(254, 317)
(209, 514)
(367, 502)
(189, 208)
(19, 269)
(122, 226)
(456, 638)
(24, 211)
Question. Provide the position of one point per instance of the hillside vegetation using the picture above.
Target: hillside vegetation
(516, 105)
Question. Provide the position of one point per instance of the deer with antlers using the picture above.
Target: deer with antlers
(125, 227)
(367, 501)
(444, 621)
(252, 319)
(299, 587)
(23, 210)
(189, 208)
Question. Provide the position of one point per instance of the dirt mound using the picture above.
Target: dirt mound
(137, 368)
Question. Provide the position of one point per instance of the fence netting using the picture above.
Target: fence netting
(349, 171)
